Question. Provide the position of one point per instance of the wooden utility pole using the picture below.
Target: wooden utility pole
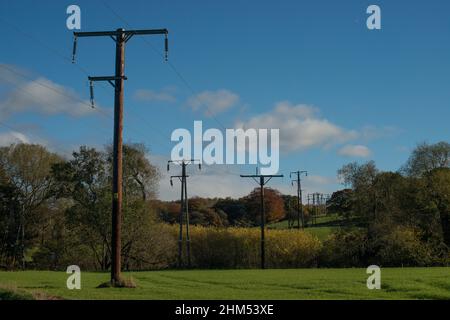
(184, 209)
(262, 181)
(120, 36)
(180, 220)
(298, 181)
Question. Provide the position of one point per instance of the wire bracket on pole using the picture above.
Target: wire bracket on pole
(166, 47)
(109, 79)
(74, 50)
(91, 91)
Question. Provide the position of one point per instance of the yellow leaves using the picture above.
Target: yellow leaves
(240, 248)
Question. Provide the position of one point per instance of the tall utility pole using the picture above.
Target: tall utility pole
(184, 208)
(262, 181)
(120, 36)
(299, 196)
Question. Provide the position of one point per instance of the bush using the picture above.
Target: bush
(403, 247)
(155, 248)
(344, 249)
(240, 248)
(292, 249)
(393, 247)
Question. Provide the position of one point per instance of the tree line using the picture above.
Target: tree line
(55, 211)
(404, 216)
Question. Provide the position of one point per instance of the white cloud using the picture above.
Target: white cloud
(355, 151)
(9, 74)
(213, 102)
(300, 127)
(41, 96)
(224, 181)
(369, 133)
(8, 138)
(211, 181)
(146, 95)
(15, 137)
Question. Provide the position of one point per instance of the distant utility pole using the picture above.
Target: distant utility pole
(298, 181)
(308, 197)
(313, 201)
(317, 203)
(184, 208)
(120, 36)
(262, 181)
(315, 208)
(327, 198)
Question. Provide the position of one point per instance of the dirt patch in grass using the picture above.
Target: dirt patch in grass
(11, 292)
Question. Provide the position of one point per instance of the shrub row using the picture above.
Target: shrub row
(240, 248)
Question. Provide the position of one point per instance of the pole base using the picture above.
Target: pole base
(122, 283)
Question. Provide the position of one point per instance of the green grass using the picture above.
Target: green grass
(397, 283)
(321, 232)
(325, 225)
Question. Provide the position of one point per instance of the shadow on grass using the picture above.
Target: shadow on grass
(14, 294)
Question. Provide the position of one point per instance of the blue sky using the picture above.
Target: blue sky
(368, 94)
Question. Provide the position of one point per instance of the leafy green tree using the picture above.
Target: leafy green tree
(139, 175)
(340, 202)
(28, 170)
(438, 187)
(86, 181)
(426, 157)
(235, 211)
(361, 178)
(358, 175)
(9, 221)
(201, 213)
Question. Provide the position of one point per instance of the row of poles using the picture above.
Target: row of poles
(260, 179)
(317, 205)
(121, 37)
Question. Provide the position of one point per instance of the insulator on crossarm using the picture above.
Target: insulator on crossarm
(74, 51)
(166, 47)
(91, 89)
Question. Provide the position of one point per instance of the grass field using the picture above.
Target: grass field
(324, 226)
(397, 283)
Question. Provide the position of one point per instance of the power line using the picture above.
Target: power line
(84, 103)
(83, 71)
(171, 65)
(46, 46)
(62, 93)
